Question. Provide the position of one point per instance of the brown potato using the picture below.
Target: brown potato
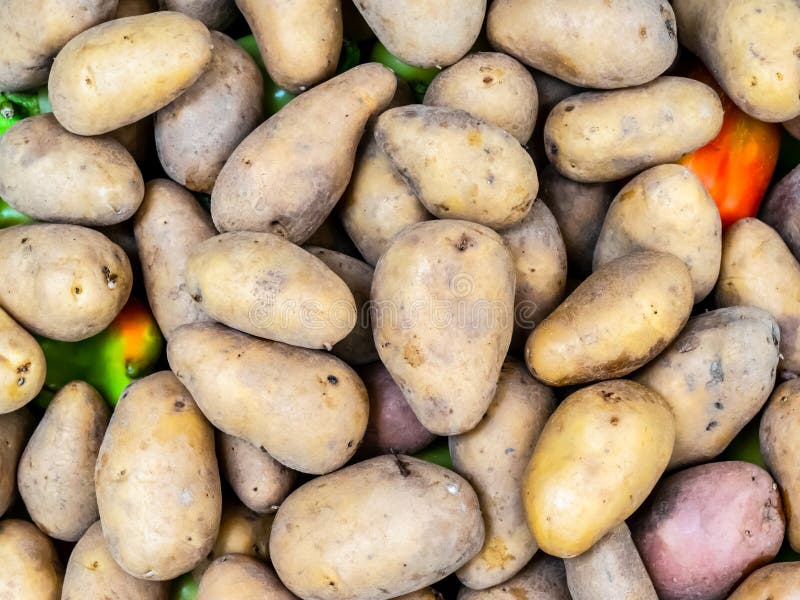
(781, 209)
(779, 580)
(14, 430)
(31, 569)
(22, 369)
(240, 577)
(214, 14)
(542, 579)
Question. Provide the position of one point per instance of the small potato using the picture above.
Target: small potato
(92, 573)
(781, 209)
(214, 14)
(492, 87)
(427, 593)
(459, 166)
(56, 471)
(597, 459)
(442, 319)
(715, 377)
(240, 577)
(158, 487)
(169, 224)
(418, 521)
(493, 458)
(572, 39)
(616, 321)
(64, 282)
(241, 531)
(779, 580)
(14, 430)
(31, 569)
(542, 579)
(307, 409)
(603, 136)
(119, 72)
(305, 179)
(759, 270)
(264, 285)
(50, 174)
(706, 527)
(22, 368)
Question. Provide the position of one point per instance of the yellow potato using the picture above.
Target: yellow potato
(779, 581)
(542, 579)
(427, 593)
(22, 368)
(14, 430)
(239, 577)
(31, 569)
(215, 14)
(241, 531)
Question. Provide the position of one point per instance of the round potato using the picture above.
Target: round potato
(31, 568)
(14, 430)
(64, 282)
(781, 209)
(239, 577)
(241, 531)
(779, 580)
(542, 579)
(214, 14)
(22, 369)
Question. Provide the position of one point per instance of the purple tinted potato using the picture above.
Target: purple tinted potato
(781, 209)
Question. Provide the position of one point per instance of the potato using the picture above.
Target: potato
(603, 136)
(759, 270)
(431, 33)
(612, 568)
(64, 282)
(14, 430)
(158, 487)
(597, 459)
(22, 369)
(378, 204)
(31, 569)
(264, 285)
(427, 593)
(459, 166)
(92, 573)
(197, 132)
(715, 376)
(570, 39)
(542, 579)
(50, 174)
(56, 470)
(493, 457)
(751, 51)
(306, 408)
(442, 319)
(31, 35)
(418, 521)
(305, 179)
(214, 14)
(169, 224)
(239, 577)
(119, 72)
(707, 527)
(358, 348)
(665, 208)
(781, 209)
(779, 580)
(332, 236)
(241, 531)
(551, 91)
(138, 139)
(492, 87)
(616, 321)
(257, 479)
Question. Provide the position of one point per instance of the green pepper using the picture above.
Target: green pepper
(184, 587)
(15, 106)
(10, 216)
(418, 78)
(437, 453)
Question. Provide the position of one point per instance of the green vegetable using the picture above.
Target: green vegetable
(417, 77)
(184, 587)
(745, 446)
(10, 216)
(437, 453)
(15, 106)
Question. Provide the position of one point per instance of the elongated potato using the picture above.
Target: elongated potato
(617, 320)
(779, 580)
(119, 72)
(781, 209)
(92, 573)
(22, 369)
(241, 531)
(158, 487)
(459, 166)
(214, 14)
(306, 408)
(493, 458)
(14, 430)
(542, 579)
(444, 286)
(31, 568)
(264, 285)
(239, 577)
(574, 495)
(305, 179)
(603, 136)
(715, 377)
(417, 520)
(64, 282)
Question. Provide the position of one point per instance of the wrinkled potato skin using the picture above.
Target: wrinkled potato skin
(751, 49)
(493, 458)
(562, 489)
(603, 136)
(436, 510)
(214, 14)
(31, 568)
(239, 577)
(50, 174)
(542, 579)
(570, 38)
(492, 87)
(715, 376)
(459, 166)
(22, 368)
(245, 384)
(56, 470)
(14, 430)
(241, 531)
(197, 132)
(121, 71)
(781, 209)
(64, 282)
(306, 180)
(779, 580)
(157, 481)
(644, 299)
(92, 573)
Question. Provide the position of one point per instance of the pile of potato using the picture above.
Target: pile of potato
(517, 263)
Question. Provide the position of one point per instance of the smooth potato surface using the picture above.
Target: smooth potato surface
(31, 568)
(22, 366)
(15, 427)
(239, 577)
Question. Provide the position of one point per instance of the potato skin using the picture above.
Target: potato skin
(241, 531)
(119, 72)
(436, 510)
(240, 577)
(616, 321)
(603, 136)
(157, 481)
(569, 38)
(542, 579)
(22, 369)
(328, 401)
(708, 526)
(14, 430)
(778, 580)
(214, 14)
(31, 568)
(427, 593)
(64, 282)
(781, 209)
